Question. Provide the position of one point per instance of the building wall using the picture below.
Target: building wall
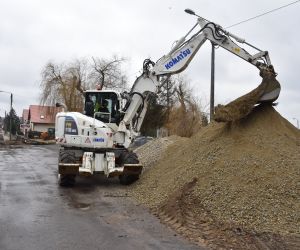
(25, 128)
(41, 127)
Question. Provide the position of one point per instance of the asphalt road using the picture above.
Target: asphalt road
(96, 214)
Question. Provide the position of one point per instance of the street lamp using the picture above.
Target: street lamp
(10, 116)
(297, 122)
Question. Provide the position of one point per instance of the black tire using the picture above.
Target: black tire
(66, 180)
(129, 158)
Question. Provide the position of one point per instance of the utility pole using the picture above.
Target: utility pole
(10, 117)
(212, 82)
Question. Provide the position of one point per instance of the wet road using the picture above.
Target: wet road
(96, 214)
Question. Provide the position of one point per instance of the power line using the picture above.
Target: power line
(265, 13)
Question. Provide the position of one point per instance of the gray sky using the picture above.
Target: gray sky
(32, 32)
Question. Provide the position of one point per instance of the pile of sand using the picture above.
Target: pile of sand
(242, 176)
(243, 105)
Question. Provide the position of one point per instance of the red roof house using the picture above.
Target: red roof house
(42, 117)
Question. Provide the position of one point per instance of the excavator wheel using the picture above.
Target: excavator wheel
(129, 158)
(66, 180)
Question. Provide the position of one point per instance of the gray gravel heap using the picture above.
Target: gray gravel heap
(150, 153)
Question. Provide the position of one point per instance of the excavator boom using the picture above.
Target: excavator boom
(185, 49)
(178, 59)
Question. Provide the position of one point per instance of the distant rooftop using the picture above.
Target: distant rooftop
(42, 114)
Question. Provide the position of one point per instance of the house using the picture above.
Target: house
(40, 118)
(25, 126)
(24, 119)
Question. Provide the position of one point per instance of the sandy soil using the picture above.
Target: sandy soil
(243, 105)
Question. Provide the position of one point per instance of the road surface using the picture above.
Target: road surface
(96, 214)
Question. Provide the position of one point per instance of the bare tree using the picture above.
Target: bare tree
(108, 73)
(166, 96)
(175, 108)
(64, 83)
(67, 82)
(185, 117)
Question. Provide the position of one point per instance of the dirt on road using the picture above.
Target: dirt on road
(233, 185)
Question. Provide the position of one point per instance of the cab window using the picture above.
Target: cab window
(104, 105)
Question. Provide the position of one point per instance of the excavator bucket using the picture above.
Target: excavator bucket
(267, 92)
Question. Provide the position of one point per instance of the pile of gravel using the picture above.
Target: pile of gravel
(151, 152)
(244, 173)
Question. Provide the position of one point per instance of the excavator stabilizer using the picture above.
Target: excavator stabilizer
(267, 92)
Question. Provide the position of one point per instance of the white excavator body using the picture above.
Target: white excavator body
(98, 140)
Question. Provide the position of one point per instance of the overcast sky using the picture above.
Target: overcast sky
(33, 32)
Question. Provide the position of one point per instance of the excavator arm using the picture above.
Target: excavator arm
(179, 58)
(184, 51)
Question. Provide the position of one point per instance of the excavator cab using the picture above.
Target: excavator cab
(103, 105)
